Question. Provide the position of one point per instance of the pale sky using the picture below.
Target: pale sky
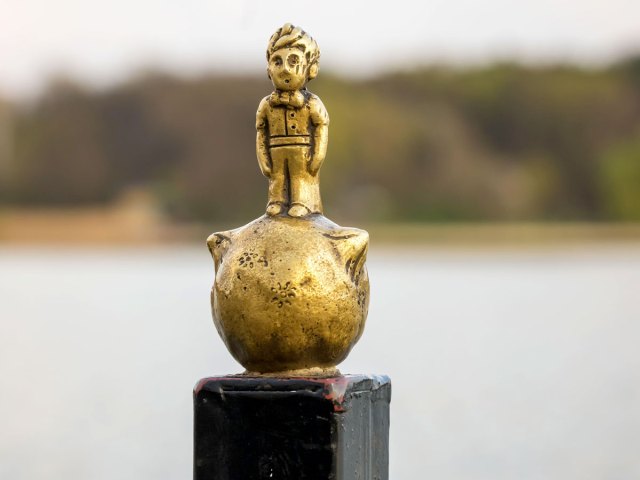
(103, 42)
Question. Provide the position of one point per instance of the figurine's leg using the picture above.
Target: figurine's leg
(278, 189)
(305, 191)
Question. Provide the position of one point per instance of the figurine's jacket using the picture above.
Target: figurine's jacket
(287, 124)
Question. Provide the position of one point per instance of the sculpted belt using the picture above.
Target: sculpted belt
(289, 140)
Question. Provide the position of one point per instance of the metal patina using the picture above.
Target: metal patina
(291, 290)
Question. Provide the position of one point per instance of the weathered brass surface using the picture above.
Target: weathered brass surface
(292, 125)
(291, 291)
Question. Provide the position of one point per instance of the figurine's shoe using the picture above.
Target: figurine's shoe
(298, 210)
(274, 209)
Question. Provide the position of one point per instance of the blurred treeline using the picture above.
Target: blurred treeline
(504, 142)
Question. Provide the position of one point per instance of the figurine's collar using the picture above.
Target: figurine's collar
(293, 99)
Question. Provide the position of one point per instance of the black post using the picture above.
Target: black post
(251, 428)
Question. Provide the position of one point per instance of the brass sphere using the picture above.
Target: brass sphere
(290, 294)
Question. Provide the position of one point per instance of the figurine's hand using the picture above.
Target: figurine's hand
(262, 152)
(265, 168)
(313, 166)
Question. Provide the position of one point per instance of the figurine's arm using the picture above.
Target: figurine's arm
(320, 121)
(262, 140)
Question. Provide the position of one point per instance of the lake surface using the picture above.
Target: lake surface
(505, 364)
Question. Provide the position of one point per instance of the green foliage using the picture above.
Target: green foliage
(621, 180)
(499, 143)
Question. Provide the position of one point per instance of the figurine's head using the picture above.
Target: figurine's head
(292, 57)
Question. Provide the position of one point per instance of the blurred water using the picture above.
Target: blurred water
(520, 364)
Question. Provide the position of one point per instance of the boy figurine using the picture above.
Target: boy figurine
(292, 125)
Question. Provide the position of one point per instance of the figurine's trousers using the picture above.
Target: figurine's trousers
(290, 182)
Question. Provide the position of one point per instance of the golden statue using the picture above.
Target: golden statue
(291, 290)
(292, 125)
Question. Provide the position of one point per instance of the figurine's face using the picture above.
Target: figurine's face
(288, 69)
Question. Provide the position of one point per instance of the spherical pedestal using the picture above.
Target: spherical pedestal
(290, 294)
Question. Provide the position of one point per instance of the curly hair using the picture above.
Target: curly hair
(290, 36)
